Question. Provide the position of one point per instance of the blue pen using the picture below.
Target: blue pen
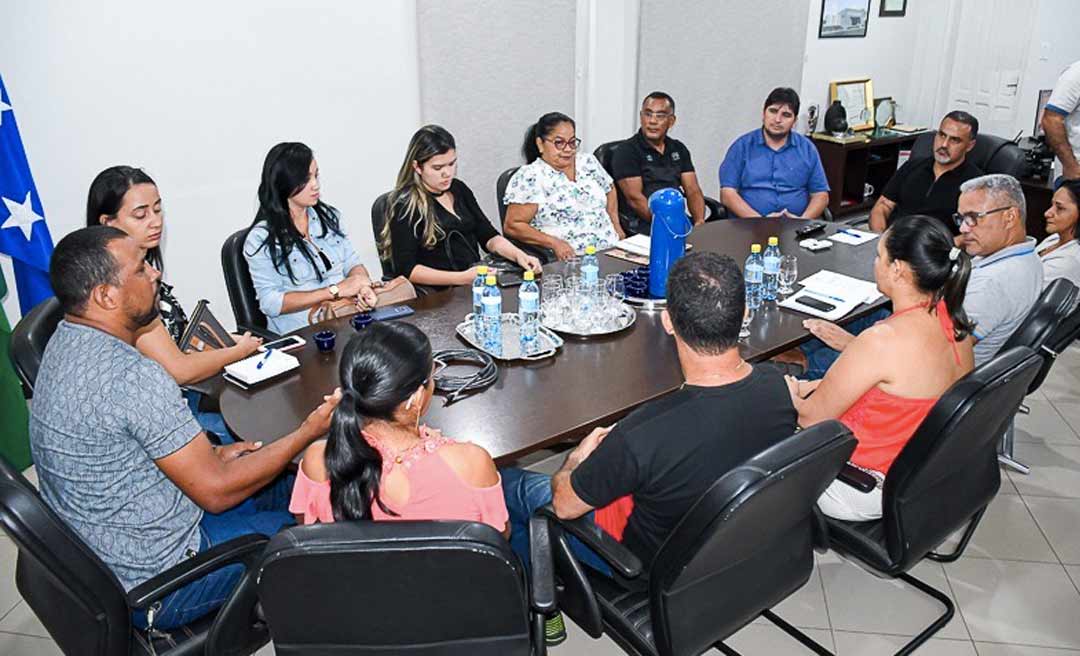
(850, 232)
(265, 357)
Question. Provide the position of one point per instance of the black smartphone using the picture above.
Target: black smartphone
(391, 312)
(810, 301)
(810, 228)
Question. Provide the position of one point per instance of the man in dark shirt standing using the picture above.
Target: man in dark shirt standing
(931, 185)
(651, 160)
(643, 474)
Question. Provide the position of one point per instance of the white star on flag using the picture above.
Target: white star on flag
(4, 107)
(22, 216)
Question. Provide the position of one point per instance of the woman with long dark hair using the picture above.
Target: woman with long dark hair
(296, 250)
(1060, 251)
(127, 198)
(434, 226)
(561, 199)
(890, 375)
(379, 461)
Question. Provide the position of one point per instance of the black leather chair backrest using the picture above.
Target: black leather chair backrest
(242, 296)
(746, 544)
(74, 594)
(950, 467)
(1067, 332)
(1044, 317)
(29, 338)
(605, 153)
(500, 192)
(992, 154)
(413, 588)
(378, 221)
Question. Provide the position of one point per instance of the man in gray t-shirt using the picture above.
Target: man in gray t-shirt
(1006, 274)
(119, 456)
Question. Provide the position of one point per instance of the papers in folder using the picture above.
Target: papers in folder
(247, 372)
(637, 244)
(853, 237)
(843, 293)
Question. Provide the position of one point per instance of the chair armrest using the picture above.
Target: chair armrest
(857, 478)
(542, 591)
(621, 559)
(717, 211)
(239, 549)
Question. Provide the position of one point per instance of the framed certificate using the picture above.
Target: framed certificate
(857, 97)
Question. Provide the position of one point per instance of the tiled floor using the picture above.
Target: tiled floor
(1017, 589)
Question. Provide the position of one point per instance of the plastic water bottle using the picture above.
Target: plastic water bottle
(492, 314)
(529, 312)
(477, 305)
(590, 267)
(754, 274)
(772, 269)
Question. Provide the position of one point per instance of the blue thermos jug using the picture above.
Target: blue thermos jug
(670, 226)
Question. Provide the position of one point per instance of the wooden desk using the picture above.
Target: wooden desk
(588, 383)
(849, 166)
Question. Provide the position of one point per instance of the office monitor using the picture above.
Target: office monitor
(1044, 97)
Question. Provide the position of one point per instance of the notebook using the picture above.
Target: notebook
(247, 372)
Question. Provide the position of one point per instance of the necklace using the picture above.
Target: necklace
(720, 374)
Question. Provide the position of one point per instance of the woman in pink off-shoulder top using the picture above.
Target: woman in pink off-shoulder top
(379, 462)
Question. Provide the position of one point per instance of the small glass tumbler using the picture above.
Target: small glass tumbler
(325, 340)
(789, 273)
(361, 320)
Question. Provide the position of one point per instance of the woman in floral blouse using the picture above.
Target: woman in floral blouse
(561, 199)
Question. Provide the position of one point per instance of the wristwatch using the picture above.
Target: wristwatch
(335, 291)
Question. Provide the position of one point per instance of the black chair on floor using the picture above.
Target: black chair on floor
(1042, 321)
(29, 338)
(1067, 332)
(407, 587)
(378, 222)
(545, 255)
(992, 154)
(605, 152)
(82, 604)
(746, 545)
(942, 481)
(242, 296)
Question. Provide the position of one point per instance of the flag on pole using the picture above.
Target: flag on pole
(23, 232)
(14, 429)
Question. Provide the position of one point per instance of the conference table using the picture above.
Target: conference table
(589, 382)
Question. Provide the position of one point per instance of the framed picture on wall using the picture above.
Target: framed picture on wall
(857, 97)
(890, 8)
(841, 19)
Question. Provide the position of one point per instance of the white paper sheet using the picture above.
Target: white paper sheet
(842, 307)
(854, 237)
(830, 283)
(637, 244)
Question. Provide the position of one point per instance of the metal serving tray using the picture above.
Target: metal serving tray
(547, 342)
(627, 317)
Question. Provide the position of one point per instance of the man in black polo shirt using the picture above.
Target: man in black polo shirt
(642, 475)
(652, 160)
(931, 185)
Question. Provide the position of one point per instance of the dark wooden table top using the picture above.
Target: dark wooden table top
(588, 383)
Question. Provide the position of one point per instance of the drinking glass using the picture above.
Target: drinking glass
(616, 286)
(748, 317)
(789, 272)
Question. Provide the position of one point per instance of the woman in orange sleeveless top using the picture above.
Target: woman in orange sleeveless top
(380, 462)
(889, 376)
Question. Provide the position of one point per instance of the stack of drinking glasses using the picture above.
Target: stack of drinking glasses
(571, 304)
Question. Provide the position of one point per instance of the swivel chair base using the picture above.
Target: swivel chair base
(1005, 455)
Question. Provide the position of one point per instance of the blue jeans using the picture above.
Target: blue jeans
(525, 493)
(265, 513)
(820, 356)
(209, 421)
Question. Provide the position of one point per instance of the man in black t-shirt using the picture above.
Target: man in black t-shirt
(651, 160)
(931, 185)
(643, 474)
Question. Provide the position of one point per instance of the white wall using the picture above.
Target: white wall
(196, 93)
(1053, 47)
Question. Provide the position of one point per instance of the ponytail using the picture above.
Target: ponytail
(938, 266)
(542, 128)
(355, 467)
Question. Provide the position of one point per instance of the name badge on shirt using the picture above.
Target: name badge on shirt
(675, 156)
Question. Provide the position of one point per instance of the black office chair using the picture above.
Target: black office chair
(405, 587)
(29, 338)
(1050, 310)
(82, 604)
(942, 481)
(378, 222)
(605, 153)
(242, 296)
(992, 154)
(545, 255)
(743, 547)
(1067, 332)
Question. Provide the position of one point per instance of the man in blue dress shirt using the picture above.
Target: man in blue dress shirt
(773, 171)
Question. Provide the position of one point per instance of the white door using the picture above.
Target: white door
(992, 43)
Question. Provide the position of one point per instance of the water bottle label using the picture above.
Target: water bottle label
(477, 296)
(590, 273)
(754, 274)
(492, 305)
(529, 301)
(772, 265)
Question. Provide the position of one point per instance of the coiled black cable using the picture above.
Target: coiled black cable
(456, 386)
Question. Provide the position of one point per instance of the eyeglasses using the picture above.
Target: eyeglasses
(562, 144)
(663, 116)
(971, 219)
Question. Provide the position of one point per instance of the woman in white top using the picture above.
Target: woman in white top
(1060, 251)
(561, 199)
